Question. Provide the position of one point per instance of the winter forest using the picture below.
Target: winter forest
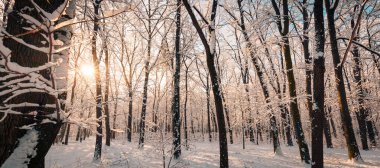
(189, 83)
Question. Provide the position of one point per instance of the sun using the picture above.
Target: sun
(87, 70)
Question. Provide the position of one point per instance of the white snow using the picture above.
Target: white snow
(319, 55)
(55, 14)
(200, 154)
(46, 120)
(26, 148)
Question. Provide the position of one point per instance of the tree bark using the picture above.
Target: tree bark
(39, 103)
(98, 141)
(306, 53)
(146, 80)
(352, 147)
(327, 131)
(106, 93)
(362, 111)
(317, 116)
(210, 56)
(176, 119)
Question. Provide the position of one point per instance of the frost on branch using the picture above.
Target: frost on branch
(32, 57)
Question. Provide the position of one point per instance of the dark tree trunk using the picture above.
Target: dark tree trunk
(114, 126)
(288, 129)
(297, 124)
(176, 119)
(226, 111)
(154, 115)
(61, 135)
(130, 108)
(363, 112)
(67, 134)
(251, 133)
(215, 83)
(41, 102)
(327, 131)
(371, 132)
(185, 109)
(78, 136)
(106, 94)
(353, 150)
(95, 60)
(286, 119)
(317, 116)
(146, 80)
(144, 103)
(208, 111)
(306, 53)
(331, 120)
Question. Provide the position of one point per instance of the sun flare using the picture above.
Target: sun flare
(87, 70)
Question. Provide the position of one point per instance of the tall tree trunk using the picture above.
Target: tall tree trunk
(130, 108)
(210, 47)
(225, 106)
(185, 109)
(208, 110)
(317, 116)
(114, 125)
(176, 119)
(363, 112)
(227, 116)
(78, 136)
(286, 110)
(154, 115)
(38, 103)
(67, 134)
(286, 119)
(106, 92)
(146, 80)
(327, 131)
(371, 133)
(144, 101)
(306, 53)
(96, 62)
(352, 147)
(297, 124)
(61, 134)
(331, 120)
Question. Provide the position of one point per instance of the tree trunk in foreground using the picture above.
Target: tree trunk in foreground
(176, 119)
(31, 127)
(317, 115)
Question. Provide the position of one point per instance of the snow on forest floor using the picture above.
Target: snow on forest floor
(200, 154)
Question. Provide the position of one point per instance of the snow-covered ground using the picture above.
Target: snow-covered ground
(200, 154)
